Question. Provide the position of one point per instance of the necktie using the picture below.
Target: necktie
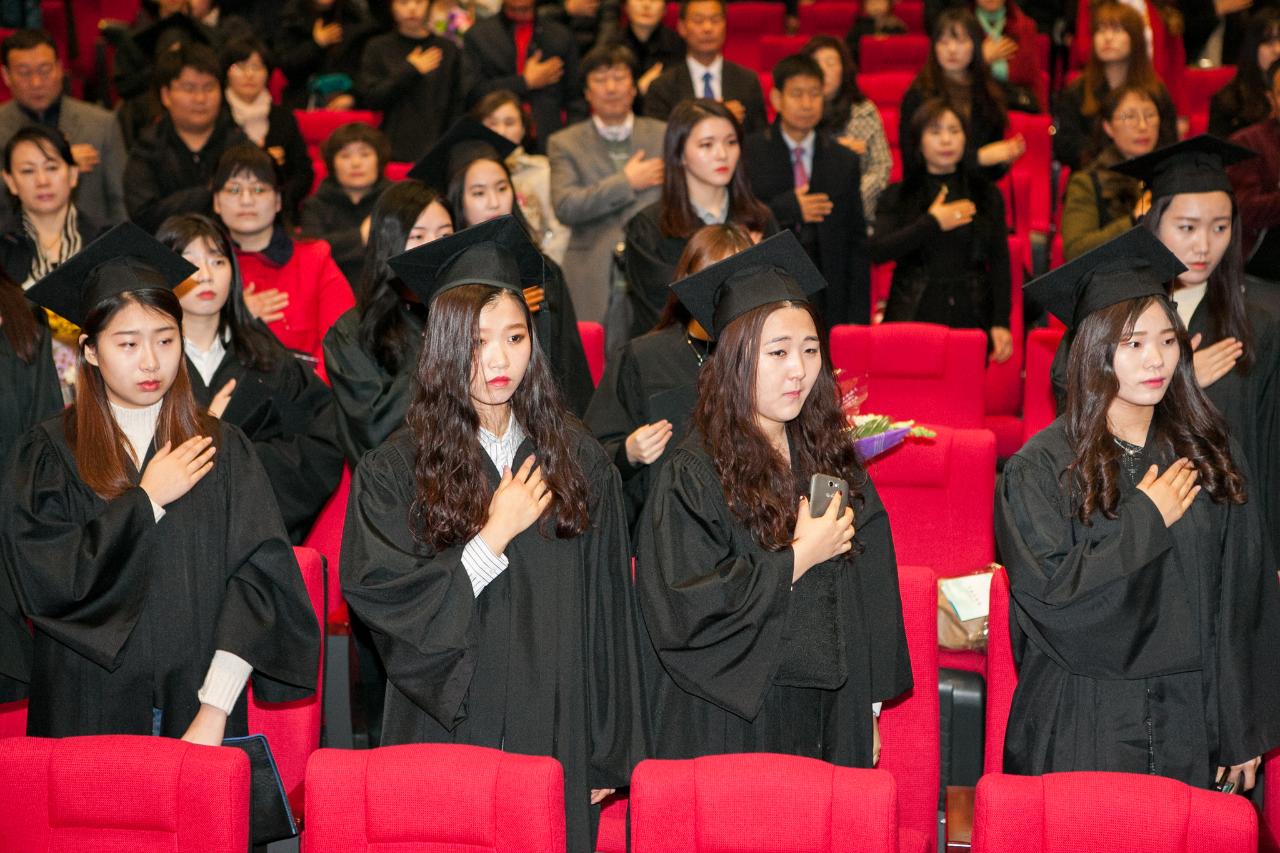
(707, 91)
(797, 168)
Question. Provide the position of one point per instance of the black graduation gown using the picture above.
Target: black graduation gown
(739, 661)
(288, 414)
(29, 393)
(557, 325)
(543, 662)
(128, 612)
(1141, 648)
(654, 377)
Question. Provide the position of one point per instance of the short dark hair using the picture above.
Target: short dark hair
(493, 102)
(240, 48)
(796, 65)
(355, 131)
(25, 40)
(198, 57)
(607, 56)
(245, 158)
(50, 140)
(685, 4)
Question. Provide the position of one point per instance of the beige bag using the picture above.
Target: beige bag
(963, 605)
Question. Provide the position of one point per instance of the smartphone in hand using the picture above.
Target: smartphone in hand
(824, 487)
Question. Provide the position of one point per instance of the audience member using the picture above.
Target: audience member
(875, 18)
(1101, 204)
(415, 77)
(813, 186)
(1245, 100)
(603, 171)
(170, 165)
(535, 58)
(1009, 49)
(1257, 186)
(590, 21)
(654, 45)
(1158, 21)
(705, 73)
(355, 159)
(944, 227)
(32, 70)
(318, 50)
(1116, 58)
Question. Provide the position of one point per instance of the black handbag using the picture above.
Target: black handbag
(270, 818)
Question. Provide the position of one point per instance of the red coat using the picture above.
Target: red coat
(318, 294)
(1024, 66)
(1257, 181)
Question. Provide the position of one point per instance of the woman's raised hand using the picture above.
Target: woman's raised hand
(1173, 491)
(646, 444)
(816, 540)
(520, 500)
(172, 473)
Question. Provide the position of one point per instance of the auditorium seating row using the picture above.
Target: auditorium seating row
(152, 794)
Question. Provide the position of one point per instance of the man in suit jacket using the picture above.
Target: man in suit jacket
(812, 184)
(603, 171)
(534, 57)
(31, 69)
(705, 73)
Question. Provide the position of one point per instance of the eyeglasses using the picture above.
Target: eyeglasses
(1135, 118)
(255, 190)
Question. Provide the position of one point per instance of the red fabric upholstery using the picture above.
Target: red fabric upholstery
(912, 14)
(1269, 842)
(433, 798)
(916, 370)
(1002, 674)
(885, 89)
(316, 125)
(592, 335)
(1116, 812)
(1199, 85)
(746, 22)
(940, 497)
(1003, 381)
(398, 171)
(13, 719)
(293, 728)
(672, 17)
(906, 52)
(1038, 406)
(909, 746)
(122, 794)
(760, 803)
(775, 47)
(612, 836)
(326, 537)
(1035, 166)
(833, 17)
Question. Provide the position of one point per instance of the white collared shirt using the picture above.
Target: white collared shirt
(697, 69)
(615, 132)
(481, 564)
(805, 145)
(1187, 299)
(205, 363)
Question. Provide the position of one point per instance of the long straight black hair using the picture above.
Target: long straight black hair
(18, 319)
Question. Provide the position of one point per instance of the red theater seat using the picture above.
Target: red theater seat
(326, 538)
(833, 18)
(1003, 380)
(885, 89)
(760, 803)
(1038, 406)
(1199, 85)
(906, 52)
(122, 793)
(316, 125)
(436, 798)
(592, 335)
(1116, 812)
(773, 48)
(1001, 674)
(912, 14)
(1270, 840)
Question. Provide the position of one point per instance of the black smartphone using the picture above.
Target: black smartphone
(824, 487)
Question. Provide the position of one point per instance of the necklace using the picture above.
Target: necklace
(1129, 459)
(701, 356)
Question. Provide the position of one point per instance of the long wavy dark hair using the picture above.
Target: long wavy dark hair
(95, 438)
(678, 218)
(252, 343)
(18, 320)
(444, 422)
(1186, 423)
(1224, 297)
(761, 489)
(709, 244)
(385, 331)
(982, 97)
(836, 113)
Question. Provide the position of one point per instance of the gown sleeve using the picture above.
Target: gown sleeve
(563, 344)
(370, 405)
(15, 645)
(613, 414)
(876, 568)
(419, 607)
(76, 581)
(267, 617)
(715, 612)
(1113, 607)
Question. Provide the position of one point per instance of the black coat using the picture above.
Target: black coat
(300, 58)
(737, 83)
(17, 250)
(331, 215)
(838, 244)
(416, 108)
(490, 50)
(296, 171)
(31, 392)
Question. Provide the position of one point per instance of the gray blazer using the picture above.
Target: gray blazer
(100, 192)
(591, 196)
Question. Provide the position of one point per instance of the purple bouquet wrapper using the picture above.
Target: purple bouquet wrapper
(874, 445)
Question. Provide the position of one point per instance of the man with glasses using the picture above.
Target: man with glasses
(31, 69)
(170, 166)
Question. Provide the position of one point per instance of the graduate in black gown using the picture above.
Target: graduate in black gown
(469, 165)
(1145, 609)
(486, 543)
(240, 373)
(139, 535)
(771, 630)
(371, 352)
(648, 391)
(28, 381)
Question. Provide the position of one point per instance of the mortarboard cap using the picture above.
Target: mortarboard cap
(1195, 165)
(170, 30)
(1133, 265)
(497, 253)
(125, 258)
(466, 141)
(773, 270)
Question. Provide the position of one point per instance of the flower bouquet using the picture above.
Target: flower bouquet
(874, 434)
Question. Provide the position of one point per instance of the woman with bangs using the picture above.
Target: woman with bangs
(771, 628)
(139, 534)
(1119, 57)
(1144, 597)
(486, 544)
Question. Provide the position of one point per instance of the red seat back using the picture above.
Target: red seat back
(13, 718)
(1270, 840)
(1002, 674)
(912, 14)
(833, 18)
(758, 803)
(1116, 812)
(775, 47)
(906, 52)
(885, 89)
(122, 792)
(316, 125)
(909, 746)
(1038, 405)
(940, 495)
(434, 798)
(1199, 85)
(326, 537)
(923, 371)
(592, 335)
